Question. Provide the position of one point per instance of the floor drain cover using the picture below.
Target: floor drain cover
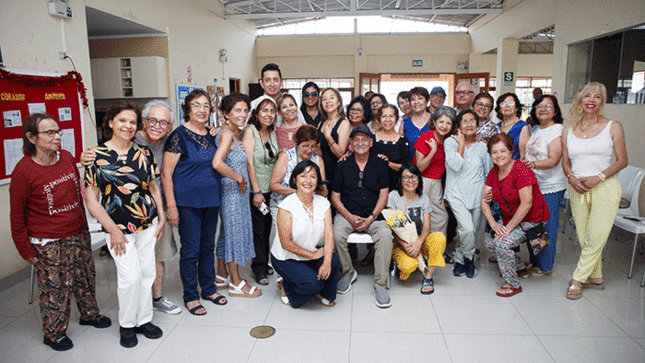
(262, 331)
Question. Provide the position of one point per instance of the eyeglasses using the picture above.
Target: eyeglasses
(200, 106)
(544, 107)
(483, 105)
(377, 102)
(52, 133)
(154, 122)
(269, 149)
(409, 178)
(468, 122)
(463, 93)
(356, 110)
(310, 94)
(360, 179)
(438, 95)
(507, 103)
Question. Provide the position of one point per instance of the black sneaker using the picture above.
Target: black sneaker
(458, 269)
(149, 330)
(61, 343)
(128, 337)
(470, 268)
(98, 321)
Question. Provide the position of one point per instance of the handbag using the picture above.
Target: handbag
(536, 236)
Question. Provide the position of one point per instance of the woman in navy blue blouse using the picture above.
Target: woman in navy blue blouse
(192, 191)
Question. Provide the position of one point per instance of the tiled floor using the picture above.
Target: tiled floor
(463, 321)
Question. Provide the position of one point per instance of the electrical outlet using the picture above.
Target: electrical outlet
(62, 55)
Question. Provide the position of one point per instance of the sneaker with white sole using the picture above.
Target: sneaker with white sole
(344, 284)
(382, 297)
(166, 306)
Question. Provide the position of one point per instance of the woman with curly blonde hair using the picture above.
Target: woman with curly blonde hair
(594, 189)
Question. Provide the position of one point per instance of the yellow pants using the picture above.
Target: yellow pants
(433, 247)
(594, 213)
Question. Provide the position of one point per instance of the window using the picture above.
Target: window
(344, 85)
(616, 60)
(364, 24)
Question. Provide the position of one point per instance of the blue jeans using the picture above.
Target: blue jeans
(301, 279)
(197, 227)
(544, 260)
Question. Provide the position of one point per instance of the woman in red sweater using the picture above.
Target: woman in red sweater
(49, 228)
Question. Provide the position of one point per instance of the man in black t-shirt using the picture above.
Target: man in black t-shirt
(359, 194)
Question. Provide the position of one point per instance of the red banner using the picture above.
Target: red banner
(22, 94)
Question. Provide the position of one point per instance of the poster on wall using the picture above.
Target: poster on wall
(25, 92)
(182, 91)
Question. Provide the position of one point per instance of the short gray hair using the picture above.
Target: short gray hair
(444, 111)
(472, 87)
(158, 103)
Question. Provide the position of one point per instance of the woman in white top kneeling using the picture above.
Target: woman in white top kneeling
(303, 250)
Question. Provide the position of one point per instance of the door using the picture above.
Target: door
(369, 82)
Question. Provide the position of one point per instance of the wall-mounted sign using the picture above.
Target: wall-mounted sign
(417, 63)
(508, 79)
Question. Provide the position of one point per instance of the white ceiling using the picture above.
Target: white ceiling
(102, 24)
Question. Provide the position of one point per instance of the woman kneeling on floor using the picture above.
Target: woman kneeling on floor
(409, 199)
(303, 249)
(514, 187)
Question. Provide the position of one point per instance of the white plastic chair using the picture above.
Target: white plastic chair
(98, 241)
(628, 217)
(364, 238)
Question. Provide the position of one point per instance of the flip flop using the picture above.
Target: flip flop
(427, 283)
(513, 291)
(217, 300)
(193, 311)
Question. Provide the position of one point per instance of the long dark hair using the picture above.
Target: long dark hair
(557, 118)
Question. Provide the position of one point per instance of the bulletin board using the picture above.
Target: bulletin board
(182, 91)
(26, 92)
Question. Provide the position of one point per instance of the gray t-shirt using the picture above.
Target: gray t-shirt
(415, 210)
(157, 152)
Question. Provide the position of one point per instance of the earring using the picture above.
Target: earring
(579, 109)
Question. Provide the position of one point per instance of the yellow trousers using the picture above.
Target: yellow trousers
(594, 213)
(433, 247)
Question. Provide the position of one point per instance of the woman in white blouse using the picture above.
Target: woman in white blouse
(544, 156)
(303, 250)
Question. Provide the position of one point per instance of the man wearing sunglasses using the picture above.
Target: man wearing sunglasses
(157, 123)
(359, 194)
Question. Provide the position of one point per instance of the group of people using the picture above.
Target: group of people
(315, 175)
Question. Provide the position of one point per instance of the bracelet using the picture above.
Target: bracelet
(256, 193)
(602, 176)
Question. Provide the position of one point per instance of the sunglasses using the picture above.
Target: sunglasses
(269, 149)
(310, 94)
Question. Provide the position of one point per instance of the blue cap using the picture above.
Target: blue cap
(437, 90)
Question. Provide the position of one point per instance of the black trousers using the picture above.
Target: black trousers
(261, 234)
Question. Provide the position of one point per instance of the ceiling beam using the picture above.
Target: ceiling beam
(417, 12)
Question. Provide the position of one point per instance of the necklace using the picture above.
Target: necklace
(511, 123)
(589, 127)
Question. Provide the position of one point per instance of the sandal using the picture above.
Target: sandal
(593, 285)
(237, 290)
(492, 259)
(448, 259)
(193, 311)
(325, 301)
(270, 271)
(425, 284)
(574, 292)
(283, 297)
(278, 281)
(508, 291)
(216, 300)
(261, 279)
(223, 284)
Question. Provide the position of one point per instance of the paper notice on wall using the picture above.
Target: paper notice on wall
(12, 154)
(12, 118)
(67, 141)
(36, 108)
(65, 114)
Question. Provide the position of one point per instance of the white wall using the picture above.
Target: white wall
(31, 39)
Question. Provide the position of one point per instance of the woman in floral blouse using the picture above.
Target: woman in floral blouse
(123, 178)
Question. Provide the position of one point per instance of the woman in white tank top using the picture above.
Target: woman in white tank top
(594, 189)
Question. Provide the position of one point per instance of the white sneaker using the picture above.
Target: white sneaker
(166, 306)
